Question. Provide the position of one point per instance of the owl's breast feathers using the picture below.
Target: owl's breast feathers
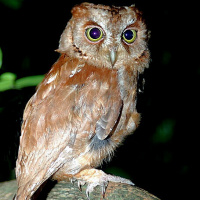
(76, 118)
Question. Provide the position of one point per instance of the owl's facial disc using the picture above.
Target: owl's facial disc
(95, 34)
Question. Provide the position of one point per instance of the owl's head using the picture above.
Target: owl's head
(105, 36)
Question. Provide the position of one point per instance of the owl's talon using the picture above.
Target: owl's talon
(104, 186)
(90, 189)
(95, 177)
(103, 192)
(80, 183)
(72, 180)
(87, 194)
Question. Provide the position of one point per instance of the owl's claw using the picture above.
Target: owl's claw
(72, 180)
(80, 183)
(90, 189)
(103, 187)
(95, 177)
(103, 182)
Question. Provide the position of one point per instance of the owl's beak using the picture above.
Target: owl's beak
(113, 56)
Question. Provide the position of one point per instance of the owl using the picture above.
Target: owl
(86, 104)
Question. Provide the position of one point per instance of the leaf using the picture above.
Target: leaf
(28, 81)
(164, 131)
(8, 76)
(7, 81)
(14, 4)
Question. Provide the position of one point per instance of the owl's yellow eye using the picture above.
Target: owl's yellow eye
(129, 35)
(94, 34)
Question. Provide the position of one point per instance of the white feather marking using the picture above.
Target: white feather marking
(76, 70)
(52, 78)
(131, 125)
(46, 92)
(68, 150)
(72, 73)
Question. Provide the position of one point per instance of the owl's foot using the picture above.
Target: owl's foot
(95, 177)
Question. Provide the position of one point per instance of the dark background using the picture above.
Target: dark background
(162, 155)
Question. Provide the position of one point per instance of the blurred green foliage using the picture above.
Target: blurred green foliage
(28, 81)
(8, 80)
(14, 4)
(164, 131)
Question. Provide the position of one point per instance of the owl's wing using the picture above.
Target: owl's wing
(70, 106)
(107, 121)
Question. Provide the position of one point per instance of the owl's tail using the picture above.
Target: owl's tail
(28, 190)
(23, 195)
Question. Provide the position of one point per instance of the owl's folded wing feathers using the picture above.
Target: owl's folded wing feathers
(64, 110)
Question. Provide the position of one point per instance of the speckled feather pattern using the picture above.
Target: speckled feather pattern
(85, 106)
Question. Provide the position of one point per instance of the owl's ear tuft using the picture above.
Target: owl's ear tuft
(78, 10)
